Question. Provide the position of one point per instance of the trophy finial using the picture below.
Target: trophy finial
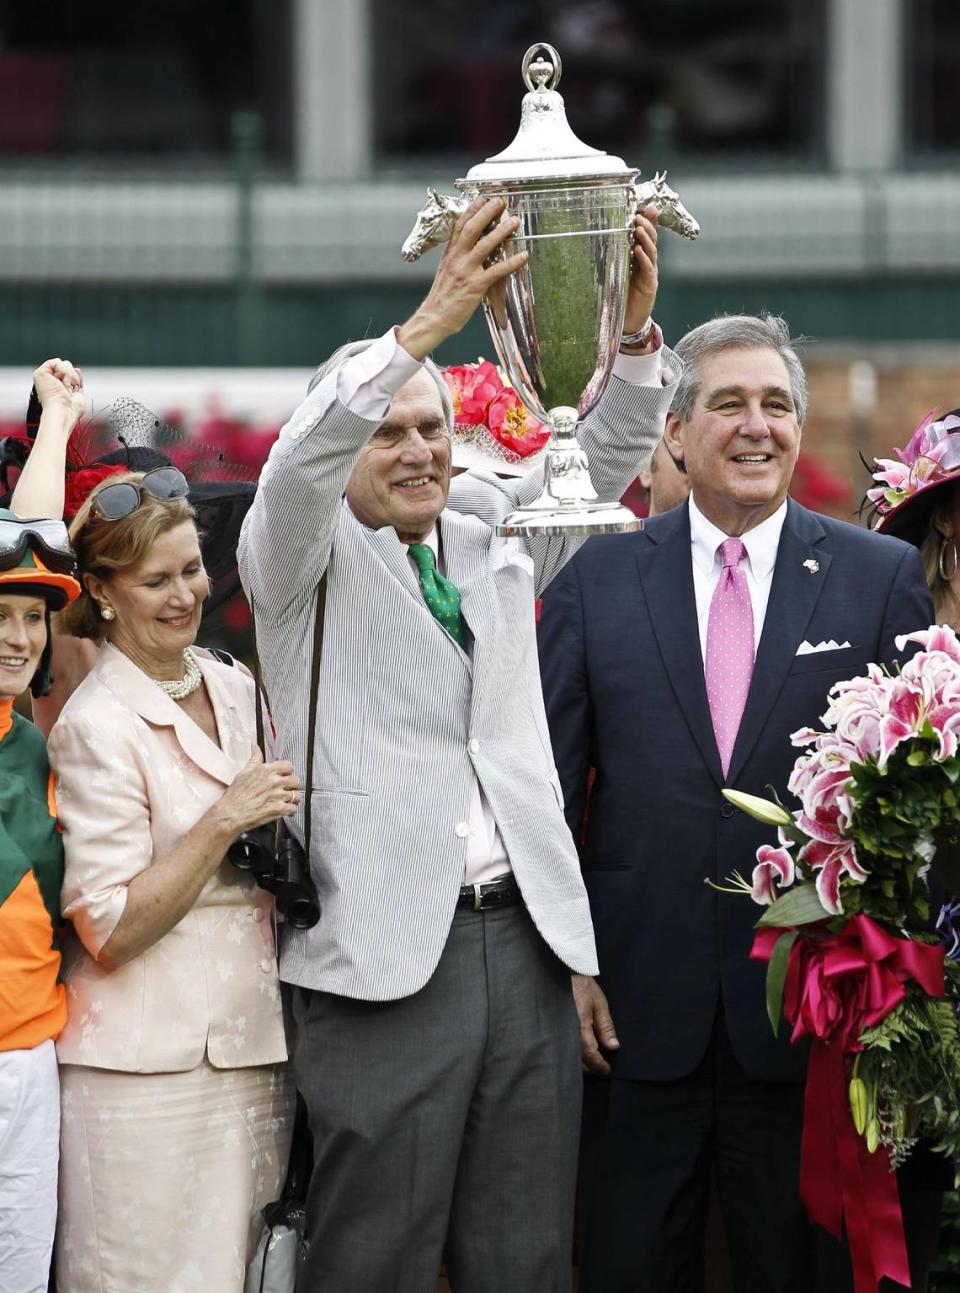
(537, 72)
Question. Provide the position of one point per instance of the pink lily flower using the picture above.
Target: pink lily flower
(828, 888)
(917, 446)
(938, 637)
(817, 855)
(774, 870)
(893, 732)
(945, 721)
(893, 475)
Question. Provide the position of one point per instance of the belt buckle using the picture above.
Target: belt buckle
(477, 898)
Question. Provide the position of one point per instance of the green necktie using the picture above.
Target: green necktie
(442, 597)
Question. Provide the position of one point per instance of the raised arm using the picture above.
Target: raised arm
(287, 535)
(285, 541)
(39, 491)
(618, 435)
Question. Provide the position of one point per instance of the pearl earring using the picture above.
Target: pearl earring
(107, 613)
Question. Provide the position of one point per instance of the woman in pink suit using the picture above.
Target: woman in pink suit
(176, 1102)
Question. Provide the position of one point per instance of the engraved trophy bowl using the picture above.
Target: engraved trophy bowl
(556, 322)
(556, 327)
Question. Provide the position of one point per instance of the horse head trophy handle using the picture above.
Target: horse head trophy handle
(671, 213)
(434, 224)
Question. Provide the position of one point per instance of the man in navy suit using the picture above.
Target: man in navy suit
(675, 662)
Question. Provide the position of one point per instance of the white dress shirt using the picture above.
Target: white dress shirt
(366, 383)
(761, 544)
(486, 858)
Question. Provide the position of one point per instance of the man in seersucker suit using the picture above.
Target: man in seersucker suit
(436, 1035)
(676, 662)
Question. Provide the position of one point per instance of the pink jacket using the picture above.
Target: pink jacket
(134, 773)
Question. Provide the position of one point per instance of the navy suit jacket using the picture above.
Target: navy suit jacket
(624, 689)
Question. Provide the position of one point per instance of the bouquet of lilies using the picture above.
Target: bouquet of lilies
(849, 964)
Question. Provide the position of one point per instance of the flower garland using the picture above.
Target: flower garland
(489, 412)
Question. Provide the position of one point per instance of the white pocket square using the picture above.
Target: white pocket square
(807, 648)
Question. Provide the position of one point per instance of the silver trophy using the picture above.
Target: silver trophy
(556, 323)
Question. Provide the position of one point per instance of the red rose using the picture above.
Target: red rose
(79, 485)
(512, 423)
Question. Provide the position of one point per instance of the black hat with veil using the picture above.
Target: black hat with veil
(129, 437)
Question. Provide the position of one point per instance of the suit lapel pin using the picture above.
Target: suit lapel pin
(811, 565)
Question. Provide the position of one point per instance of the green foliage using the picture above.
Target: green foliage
(798, 906)
(911, 1062)
(913, 797)
(776, 974)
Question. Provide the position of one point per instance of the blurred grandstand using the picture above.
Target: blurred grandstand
(199, 201)
(224, 188)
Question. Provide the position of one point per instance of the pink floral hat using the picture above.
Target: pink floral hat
(909, 485)
(493, 429)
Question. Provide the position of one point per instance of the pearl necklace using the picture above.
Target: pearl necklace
(181, 688)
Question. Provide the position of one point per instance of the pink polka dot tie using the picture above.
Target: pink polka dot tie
(730, 654)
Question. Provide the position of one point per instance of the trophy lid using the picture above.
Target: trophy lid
(545, 148)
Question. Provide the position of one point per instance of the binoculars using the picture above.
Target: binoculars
(279, 865)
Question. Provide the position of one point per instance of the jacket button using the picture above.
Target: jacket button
(727, 809)
(474, 746)
(258, 915)
(266, 965)
(461, 830)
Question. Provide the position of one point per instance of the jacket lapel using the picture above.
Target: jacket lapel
(793, 597)
(232, 708)
(466, 551)
(466, 557)
(395, 558)
(142, 695)
(393, 554)
(666, 575)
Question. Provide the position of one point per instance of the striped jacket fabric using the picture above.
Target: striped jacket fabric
(405, 716)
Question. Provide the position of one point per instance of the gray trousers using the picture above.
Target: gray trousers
(446, 1122)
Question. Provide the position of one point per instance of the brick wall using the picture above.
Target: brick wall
(909, 382)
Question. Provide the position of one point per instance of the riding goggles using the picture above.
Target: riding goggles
(48, 539)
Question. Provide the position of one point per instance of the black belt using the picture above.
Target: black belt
(503, 892)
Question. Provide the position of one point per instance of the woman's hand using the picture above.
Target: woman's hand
(160, 896)
(59, 388)
(39, 490)
(260, 793)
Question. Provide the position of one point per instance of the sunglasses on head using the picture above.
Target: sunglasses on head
(114, 502)
(48, 539)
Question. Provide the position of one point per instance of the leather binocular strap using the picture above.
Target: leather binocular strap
(312, 713)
